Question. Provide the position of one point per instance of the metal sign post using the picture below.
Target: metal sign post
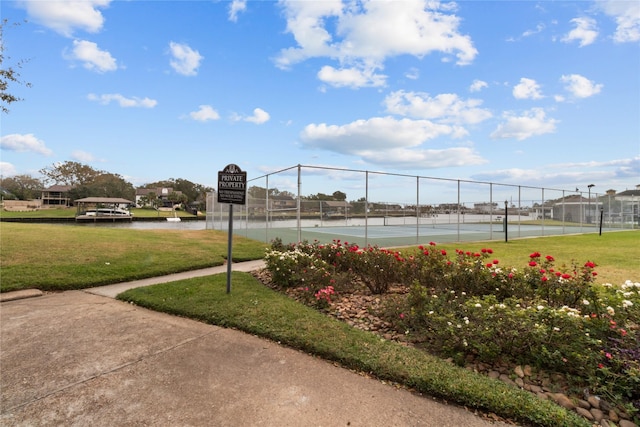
(232, 189)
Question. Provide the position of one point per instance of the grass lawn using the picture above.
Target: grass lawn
(71, 213)
(62, 257)
(616, 253)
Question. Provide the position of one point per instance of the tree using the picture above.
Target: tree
(71, 173)
(151, 199)
(194, 192)
(109, 185)
(88, 182)
(24, 187)
(8, 75)
(339, 196)
(177, 198)
(256, 192)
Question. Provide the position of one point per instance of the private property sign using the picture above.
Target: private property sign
(232, 185)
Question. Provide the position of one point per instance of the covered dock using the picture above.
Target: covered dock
(103, 208)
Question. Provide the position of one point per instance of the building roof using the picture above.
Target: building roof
(631, 193)
(103, 200)
(335, 204)
(59, 187)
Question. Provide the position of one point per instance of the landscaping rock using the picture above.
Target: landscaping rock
(562, 400)
(597, 414)
(585, 413)
(584, 404)
(519, 371)
(505, 379)
(594, 401)
(613, 416)
(627, 423)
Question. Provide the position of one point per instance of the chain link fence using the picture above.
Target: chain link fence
(385, 209)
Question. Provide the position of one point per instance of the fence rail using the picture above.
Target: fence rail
(448, 210)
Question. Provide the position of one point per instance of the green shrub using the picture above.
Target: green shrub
(468, 305)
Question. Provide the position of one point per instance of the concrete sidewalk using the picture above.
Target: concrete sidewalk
(113, 290)
(82, 358)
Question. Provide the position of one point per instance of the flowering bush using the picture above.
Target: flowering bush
(467, 305)
(323, 296)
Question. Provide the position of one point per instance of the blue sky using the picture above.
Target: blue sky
(532, 93)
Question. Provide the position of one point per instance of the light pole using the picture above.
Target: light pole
(589, 205)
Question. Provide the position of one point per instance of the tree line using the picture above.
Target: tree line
(85, 181)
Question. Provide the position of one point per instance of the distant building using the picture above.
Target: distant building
(162, 193)
(57, 196)
(629, 202)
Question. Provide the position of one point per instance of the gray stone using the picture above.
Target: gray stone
(519, 371)
(597, 414)
(505, 379)
(585, 413)
(594, 401)
(613, 416)
(494, 374)
(584, 404)
(535, 389)
(627, 423)
(562, 400)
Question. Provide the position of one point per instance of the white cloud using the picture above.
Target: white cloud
(23, 143)
(124, 102)
(83, 156)
(362, 35)
(585, 32)
(259, 117)
(531, 123)
(377, 133)
(235, 8)
(65, 16)
(424, 159)
(204, 114)
(568, 174)
(7, 169)
(539, 29)
(477, 86)
(627, 17)
(350, 77)
(412, 74)
(580, 86)
(527, 89)
(184, 60)
(446, 107)
(389, 142)
(92, 57)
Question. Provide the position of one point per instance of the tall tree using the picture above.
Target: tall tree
(110, 185)
(24, 187)
(70, 173)
(339, 196)
(194, 192)
(8, 74)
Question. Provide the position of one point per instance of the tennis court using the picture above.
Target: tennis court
(405, 234)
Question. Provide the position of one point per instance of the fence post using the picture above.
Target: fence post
(417, 209)
(298, 207)
(366, 208)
